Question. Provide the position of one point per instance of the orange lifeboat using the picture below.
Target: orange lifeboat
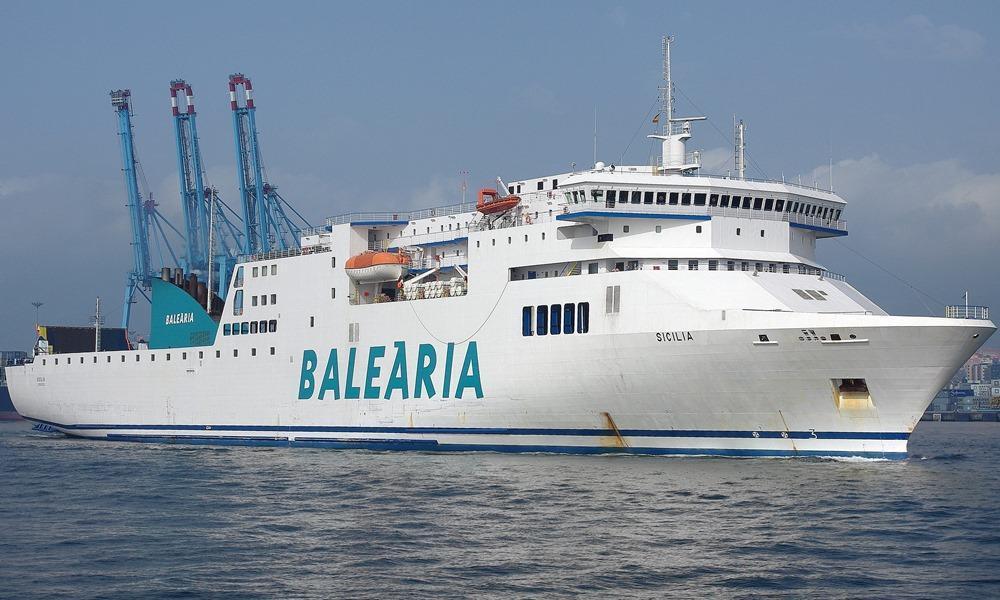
(376, 267)
(495, 204)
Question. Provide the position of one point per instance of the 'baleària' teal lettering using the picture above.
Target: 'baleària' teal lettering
(422, 374)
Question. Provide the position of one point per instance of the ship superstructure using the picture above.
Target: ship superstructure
(643, 309)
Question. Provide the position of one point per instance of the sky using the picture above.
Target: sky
(380, 106)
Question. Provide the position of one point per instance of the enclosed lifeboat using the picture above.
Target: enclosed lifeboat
(376, 267)
(491, 203)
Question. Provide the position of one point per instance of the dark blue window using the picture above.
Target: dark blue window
(526, 321)
(583, 317)
(569, 312)
(542, 320)
(236, 328)
(225, 329)
(554, 320)
(244, 328)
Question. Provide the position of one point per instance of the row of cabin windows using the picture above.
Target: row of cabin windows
(457, 227)
(238, 301)
(264, 269)
(152, 357)
(555, 319)
(743, 265)
(259, 271)
(540, 185)
(248, 327)
(263, 299)
(593, 268)
(612, 197)
(510, 240)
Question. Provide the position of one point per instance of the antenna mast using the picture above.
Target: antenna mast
(674, 157)
(667, 92)
(741, 148)
(98, 321)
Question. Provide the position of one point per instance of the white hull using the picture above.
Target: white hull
(605, 391)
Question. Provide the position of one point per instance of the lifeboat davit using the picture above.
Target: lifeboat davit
(490, 202)
(376, 267)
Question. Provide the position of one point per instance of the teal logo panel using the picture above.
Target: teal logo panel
(384, 373)
(177, 320)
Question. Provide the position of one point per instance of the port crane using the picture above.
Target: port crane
(146, 221)
(267, 225)
(201, 204)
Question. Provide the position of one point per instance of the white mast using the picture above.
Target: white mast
(98, 320)
(741, 148)
(674, 155)
(667, 92)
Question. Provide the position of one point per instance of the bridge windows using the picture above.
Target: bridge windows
(661, 197)
(769, 204)
(699, 199)
(647, 197)
(724, 201)
(686, 199)
(758, 203)
(692, 265)
(636, 197)
(713, 200)
(672, 264)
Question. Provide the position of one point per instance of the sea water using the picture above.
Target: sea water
(86, 519)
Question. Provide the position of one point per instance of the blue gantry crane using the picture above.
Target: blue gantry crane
(147, 222)
(203, 209)
(266, 224)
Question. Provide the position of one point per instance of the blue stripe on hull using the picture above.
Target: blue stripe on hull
(661, 433)
(434, 446)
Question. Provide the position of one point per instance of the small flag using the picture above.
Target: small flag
(656, 118)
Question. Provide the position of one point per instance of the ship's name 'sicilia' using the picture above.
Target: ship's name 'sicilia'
(430, 378)
(180, 318)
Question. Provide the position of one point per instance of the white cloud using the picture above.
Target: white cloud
(619, 16)
(538, 98)
(12, 186)
(919, 199)
(936, 225)
(917, 37)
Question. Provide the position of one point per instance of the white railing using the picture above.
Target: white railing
(963, 311)
(277, 254)
(428, 238)
(426, 213)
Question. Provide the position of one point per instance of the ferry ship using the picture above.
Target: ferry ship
(649, 309)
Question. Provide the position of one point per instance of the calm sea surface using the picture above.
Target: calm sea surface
(82, 519)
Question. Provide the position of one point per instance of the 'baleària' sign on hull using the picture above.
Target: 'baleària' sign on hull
(179, 318)
(430, 378)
